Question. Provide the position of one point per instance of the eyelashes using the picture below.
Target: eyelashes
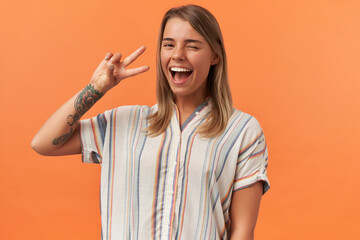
(168, 45)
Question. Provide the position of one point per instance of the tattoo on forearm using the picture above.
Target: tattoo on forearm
(62, 138)
(72, 119)
(86, 99)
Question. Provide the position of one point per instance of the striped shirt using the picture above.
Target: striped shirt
(177, 185)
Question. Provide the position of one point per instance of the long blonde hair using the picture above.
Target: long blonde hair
(218, 86)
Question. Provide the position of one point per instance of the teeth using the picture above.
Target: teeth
(176, 69)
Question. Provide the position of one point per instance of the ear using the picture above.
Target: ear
(215, 59)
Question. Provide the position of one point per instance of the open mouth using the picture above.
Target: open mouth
(180, 74)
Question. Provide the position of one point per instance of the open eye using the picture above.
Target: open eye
(168, 45)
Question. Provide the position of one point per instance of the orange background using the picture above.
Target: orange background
(294, 65)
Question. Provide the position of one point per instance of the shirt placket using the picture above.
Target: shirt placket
(171, 187)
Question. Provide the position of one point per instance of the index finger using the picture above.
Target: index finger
(132, 57)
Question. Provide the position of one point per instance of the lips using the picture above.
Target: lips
(180, 74)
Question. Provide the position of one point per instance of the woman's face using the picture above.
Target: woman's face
(186, 58)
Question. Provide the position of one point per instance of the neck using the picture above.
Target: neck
(186, 106)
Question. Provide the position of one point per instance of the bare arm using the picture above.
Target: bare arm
(244, 211)
(60, 133)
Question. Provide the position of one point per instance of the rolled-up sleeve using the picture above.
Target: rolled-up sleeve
(252, 160)
(92, 136)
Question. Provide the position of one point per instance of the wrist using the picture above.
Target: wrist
(87, 98)
(100, 89)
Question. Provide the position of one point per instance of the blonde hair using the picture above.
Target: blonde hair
(218, 86)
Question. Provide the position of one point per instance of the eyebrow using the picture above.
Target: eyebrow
(186, 41)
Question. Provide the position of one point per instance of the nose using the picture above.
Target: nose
(178, 54)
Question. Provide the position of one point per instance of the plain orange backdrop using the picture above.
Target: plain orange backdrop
(294, 65)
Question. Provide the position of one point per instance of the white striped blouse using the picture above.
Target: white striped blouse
(177, 185)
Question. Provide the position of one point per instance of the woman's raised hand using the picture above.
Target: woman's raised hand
(112, 70)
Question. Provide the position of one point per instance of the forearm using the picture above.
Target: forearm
(244, 211)
(56, 137)
(242, 235)
(60, 127)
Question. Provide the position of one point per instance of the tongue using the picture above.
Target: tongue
(181, 76)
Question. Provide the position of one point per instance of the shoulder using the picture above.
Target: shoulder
(244, 126)
(246, 120)
(130, 109)
(125, 111)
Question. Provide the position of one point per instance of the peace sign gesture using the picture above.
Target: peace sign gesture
(112, 70)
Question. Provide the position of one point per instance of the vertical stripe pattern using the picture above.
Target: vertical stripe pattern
(177, 185)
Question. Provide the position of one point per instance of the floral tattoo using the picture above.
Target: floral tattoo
(86, 99)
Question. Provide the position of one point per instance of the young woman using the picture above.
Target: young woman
(190, 167)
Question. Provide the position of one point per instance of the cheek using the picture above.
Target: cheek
(201, 61)
(202, 65)
(163, 60)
